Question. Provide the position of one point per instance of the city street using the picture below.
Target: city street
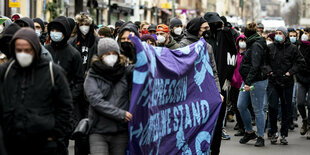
(297, 144)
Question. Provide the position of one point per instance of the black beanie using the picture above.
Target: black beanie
(40, 21)
(175, 22)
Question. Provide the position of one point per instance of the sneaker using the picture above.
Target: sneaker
(283, 141)
(260, 142)
(274, 138)
(303, 129)
(225, 136)
(247, 137)
(295, 124)
(240, 133)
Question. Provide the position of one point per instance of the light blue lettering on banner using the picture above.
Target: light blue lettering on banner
(139, 77)
(202, 136)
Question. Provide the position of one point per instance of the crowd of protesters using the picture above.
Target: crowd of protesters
(53, 75)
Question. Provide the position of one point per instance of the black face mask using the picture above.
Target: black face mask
(129, 51)
(206, 34)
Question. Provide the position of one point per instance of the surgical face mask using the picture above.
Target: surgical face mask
(38, 32)
(24, 59)
(1, 28)
(293, 39)
(304, 37)
(84, 29)
(110, 60)
(178, 31)
(242, 44)
(56, 36)
(161, 39)
(278, 38)
(268, 42)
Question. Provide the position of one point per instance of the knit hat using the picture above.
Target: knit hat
(40, 21)
(105, 31)
(175, 22)
(152, 27)
(283, 29)
(83, 19)
(106, 45)
(271, 36)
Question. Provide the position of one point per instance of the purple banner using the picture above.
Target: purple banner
(174, 102)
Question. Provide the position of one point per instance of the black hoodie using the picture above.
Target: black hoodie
(32, 105)
(6, 37)
(224, 47)
(25, 22)
(67, 56)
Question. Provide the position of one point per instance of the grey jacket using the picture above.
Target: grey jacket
(190, 39)
(108, 102)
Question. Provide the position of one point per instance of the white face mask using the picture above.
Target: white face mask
(178, 31)
(56, 36)
(24, 59)
(110, 60)
(1, 28)
(304, 37)
(161, 39)
(38, 32)
(84, 29)
(268, 42)
(242, 45)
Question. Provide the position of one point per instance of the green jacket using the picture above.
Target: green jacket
(171, 45)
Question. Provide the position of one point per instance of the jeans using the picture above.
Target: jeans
(256, 97)
(285, 94)
(108, 144)
(302, 90)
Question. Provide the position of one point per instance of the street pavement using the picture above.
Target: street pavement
(297, 144)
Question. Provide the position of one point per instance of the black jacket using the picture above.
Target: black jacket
(67, 57)
(303, 76)
(87, 46)
(32, 106)
(108, 102)
(284, 58)
(177, 38)
(253, 60)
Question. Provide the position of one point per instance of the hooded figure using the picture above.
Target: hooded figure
(191, 36)
(25, 22)
(126, 46)
(85, 41)
(68, 58)
(6, 37)
(35, 98)
(42, 35)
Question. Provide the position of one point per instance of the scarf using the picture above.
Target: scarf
(113, 74)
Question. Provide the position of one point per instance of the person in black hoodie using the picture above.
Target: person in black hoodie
(303, 84)
(68, 58)
(5, 39)
(85, 41)
(35, 99)
(254, 85)
(284, 60)
(39, 28)
(225, 53)
(127, 48)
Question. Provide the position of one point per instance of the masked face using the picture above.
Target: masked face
(145, 31)
(178, 31)
(110, 60)
(242, 44)
(84, 29)
(24, 59)
(56, 36)
(24, 52)
(293, 39)
(161, 39)
(278, 38)
(304, 37)
(38, 32)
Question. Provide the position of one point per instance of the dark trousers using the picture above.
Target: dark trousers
(217, 135)
(302, 99)
(285, 95)
(234, 93)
